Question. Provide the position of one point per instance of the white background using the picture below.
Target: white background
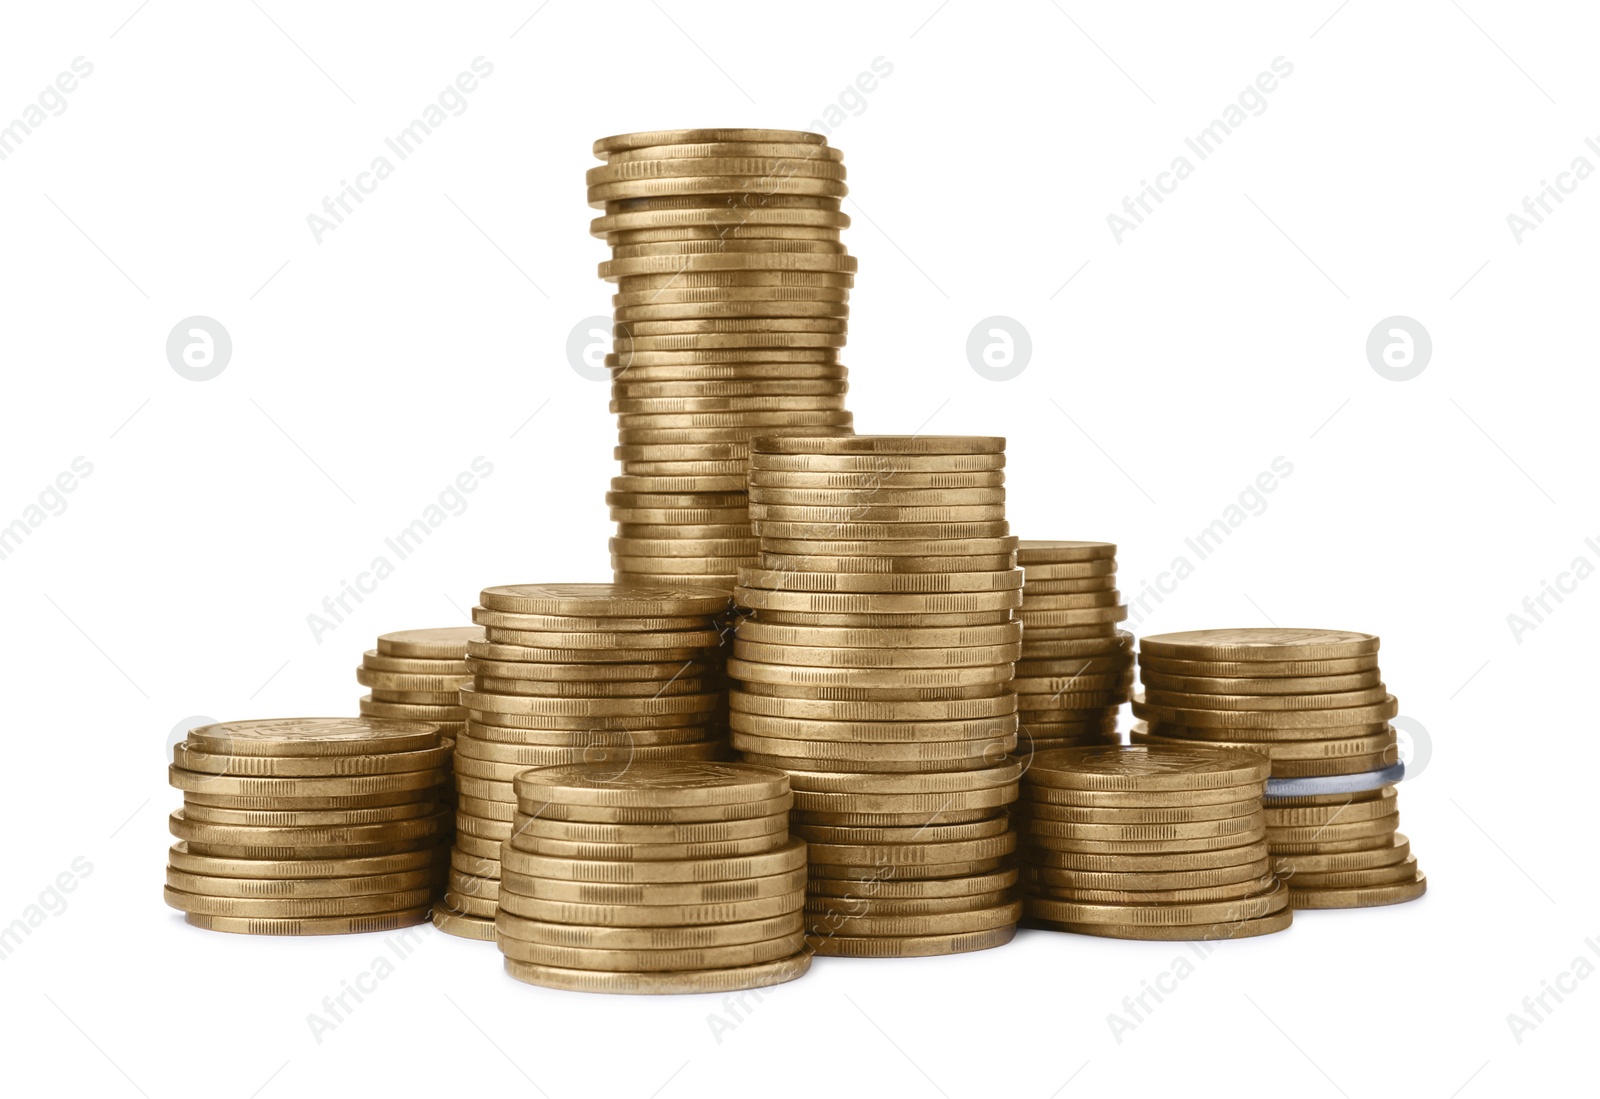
(370, 369)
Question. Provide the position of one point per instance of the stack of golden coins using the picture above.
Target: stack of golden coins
(309, 826)
(876, 671)
(1149, 842)
(1314, 703)
(653, 878)
(731, 307)
(1076, 667)
(416, 675)
(569, 673)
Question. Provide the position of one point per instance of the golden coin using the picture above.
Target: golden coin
(473, 698)
(697, 234)
(915, 946)
(583, 723)
(1176, 700)
(204, 796)
(1210, 932)
(1279, 750)
(1158, 862)
(778, 182)
(298, 888)
(296, 908)
(847, 806)
(706, 547)
(938, 923)
(308, 736)
(1379, 711)
(659, 785)
(859, 483)
(652, 814)
(867, 732)
(756, 672)
(517, 885)
(1071, 587)
(1360, 896)
(863, 876)
(1005, 774)
(672, 834)
(463, 926)
(615, 760)
(888, 888)
(442, 643)
(207, 763)
(1117, 662)
(645, 852)
(244, 835)
(876, 583)
(181, 858)
(505, 744)
(805, 150)
(214, 784)
(955, 710)
(561, 623)
(1136, 881)
(943, 639)
(690, 168)
(412, 712)
(928, 832)
(1335, 831)
(618, 663)
(410, 681)
(1252, 821)
(1262, 739)
(1059, 795)
(304, 818)
(936, 754)
(690, 981)
(1347, 809)
(647, 688)
(1096, 569)
(1164, 915)
(657, 915)
(1149, 814)
(573, 936)
(1403, 871)
(330, 925)
(1173, 666)
(1199, 895)
(1034, 551)
(791, 856)
(902, 856)
(1260, 642)
(1046, 848)
(784, 500)
(1299, 685)
(1379, 842)
(885, 445)
(578, 673)
(606, 146)
(603, 600)
(838, 908)
(377, 661)
(1340, 765)
(875, 659)
(444, 701)
(878, 764)
(641, 960)
(1110, 768)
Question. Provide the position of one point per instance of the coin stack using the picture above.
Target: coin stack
(731, 307)
(1314, 703)
(876, 671)
(570, 673)
(1149, 842)
(416, 675)
(653, 877)
(1076, 667)
(309, 826)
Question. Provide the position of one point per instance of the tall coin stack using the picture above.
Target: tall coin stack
(309, 826)
(1314, 703)
(876, 670)
(1076, 667)
(569, 673)
(1157, 842)
(731, 307)
(416, 675)
(653, 877)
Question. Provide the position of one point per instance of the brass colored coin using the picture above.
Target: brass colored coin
(621, 659)
(1335, 831)
(1382, 841)
(645, 852)
(1034, 551)
(955, 710)
(463, 926)
(1278, 750)
(728, 979)
(615, 760)
(607, 146)
(475, 699)
(905, 855)
(852, 761)
(1083, 616)
(579, 673)
(952, 754)
(779, 182)
(638, 960)
(887, 887)
(874, 583)
(412, 665)
(320, 803)
(442, 643)
(1346, 809)
(1135, 881)
(306, 736)
(878, 603)
(444, 700)
(1005, 774)
(1341, 765)
(1200, 829)
(592, 724)
(296, 908)
(1165, 915)
(1174, 666)
(837, 910)
(1264, 643)
(820, 167)
(840, 531)
(517, 884)
(862, 484)
(298, 888)
(1403, 871)
(1070, 587)
(330, 925)
(387, 764)
(759, 630)
(658, 915)
(179, 857)
(1276, 719)
(750, 671)
(572, 936)
(410, 681)
(1212, 932)
(504, 744)
(803, 150)
(1361, 896)
(812, 503)
(1146, 769)
(1123, 799)
(644, 547)
(880, 659)
(1173, 814)
(1201, 895)
(915, 946)
(885, 445)
(659, 785)
(866, 732)
(656, 834)
(202, 783)
(940, 923)
(1048, 848)
(411, 712)
(307, 818)
(577, 623)
(656, 646)
(1268, 686)
(791, 856)
(1261, 740)
(603, 600)
(924, 806)
(1070, 570)
(1271, 702)
(651, 814)
(650, 688)
(925, 833)
(244, 835)
(1170, 862)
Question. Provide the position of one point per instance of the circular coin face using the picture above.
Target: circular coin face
(1260, 643)
(605, 599)
(441, 643)
(313, 736)
(1147, 767)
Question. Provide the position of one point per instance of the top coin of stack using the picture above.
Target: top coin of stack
(569, 673)
(731, 307)
(653, 877)
(1157, 842)
(876, 671)
(309, 826)
(1076, 667)
(1314, 702)
(415, 675)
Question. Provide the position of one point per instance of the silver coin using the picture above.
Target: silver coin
(1333, 784)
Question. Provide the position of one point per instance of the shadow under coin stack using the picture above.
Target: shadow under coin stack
(876, 671)
(569, 673)
(416, 675)
(731, 307)
(1314, 703)
(309, 826)
(1154, 842)
(1077, 667)
(653, 878)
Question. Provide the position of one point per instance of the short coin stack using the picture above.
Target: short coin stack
(653, 878)
(1314, 703)
(1076, 667)
(1335, 844)
(731, 307)
(876, 671)
(570, 673)
(1152, 842)
(415, 675)
(309, 826)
